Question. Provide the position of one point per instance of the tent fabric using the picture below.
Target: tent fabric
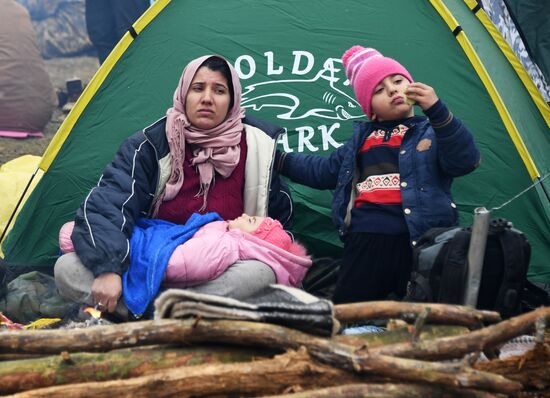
(288, 57)
(14, 177)
(500, 15)
(533, 20)
(26, 94)
(511, 56)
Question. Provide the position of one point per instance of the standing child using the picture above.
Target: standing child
(391, 180)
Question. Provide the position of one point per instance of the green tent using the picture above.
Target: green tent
(532, 19)
(288, 56)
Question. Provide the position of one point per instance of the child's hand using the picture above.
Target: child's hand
(422, 94)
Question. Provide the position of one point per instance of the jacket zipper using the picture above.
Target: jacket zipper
(271, 171)
(158, 171)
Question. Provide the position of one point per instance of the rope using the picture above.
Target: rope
(540, 180)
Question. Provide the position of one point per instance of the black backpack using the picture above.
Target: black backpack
(440, 268)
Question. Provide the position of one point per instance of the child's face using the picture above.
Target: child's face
(388, 99)
(246, 223)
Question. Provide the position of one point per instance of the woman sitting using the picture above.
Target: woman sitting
(204, 156)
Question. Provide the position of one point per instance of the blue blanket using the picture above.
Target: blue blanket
(151, 245)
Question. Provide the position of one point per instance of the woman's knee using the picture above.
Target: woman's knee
(72, 278)
(241, 280)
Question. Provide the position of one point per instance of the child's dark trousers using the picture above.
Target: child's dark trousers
(374, 267)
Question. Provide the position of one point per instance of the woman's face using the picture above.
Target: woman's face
(208, 99)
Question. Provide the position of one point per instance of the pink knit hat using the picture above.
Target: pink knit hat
(272, 231)
(365, 68)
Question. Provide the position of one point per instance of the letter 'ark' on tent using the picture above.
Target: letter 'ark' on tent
(288, 56)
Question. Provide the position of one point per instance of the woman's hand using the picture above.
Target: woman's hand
(106, 290)
(422, 94)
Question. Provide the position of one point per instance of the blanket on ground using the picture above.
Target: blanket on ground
(278, 304)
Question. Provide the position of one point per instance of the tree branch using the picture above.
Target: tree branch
(458, 346)
(119, 364)
(271, 376)
(388, 390)
(439, 313)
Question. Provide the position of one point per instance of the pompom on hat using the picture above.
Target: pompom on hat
(272, 231)
(365, 68)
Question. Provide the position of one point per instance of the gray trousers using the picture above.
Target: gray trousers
(241, 280)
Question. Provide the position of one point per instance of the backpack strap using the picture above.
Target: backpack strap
(516, 255)
(419, 289)
(533, 297)
(426, 254)
(430, 246)
(454, 271)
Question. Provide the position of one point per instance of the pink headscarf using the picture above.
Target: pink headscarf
(218, 148)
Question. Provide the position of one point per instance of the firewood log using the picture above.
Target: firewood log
(439, 313)
(388, 390)
(255, 334)
(270, 376)
(68, 368)
(476, 341)
(532, 369)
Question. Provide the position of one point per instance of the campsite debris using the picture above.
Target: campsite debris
(42, 323)
(6, 323)
(151, 362)
(531, 369)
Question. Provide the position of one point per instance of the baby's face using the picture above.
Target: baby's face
(246, 223)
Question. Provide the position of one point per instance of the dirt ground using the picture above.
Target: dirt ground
(60, 70)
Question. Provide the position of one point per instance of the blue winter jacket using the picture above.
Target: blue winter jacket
(152, 244)
(138, 173)
(426, 175)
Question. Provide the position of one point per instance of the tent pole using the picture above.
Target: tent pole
(476, 254)
(5, 231)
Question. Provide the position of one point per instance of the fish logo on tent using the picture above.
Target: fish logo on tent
(339, 105)
(449, 44)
